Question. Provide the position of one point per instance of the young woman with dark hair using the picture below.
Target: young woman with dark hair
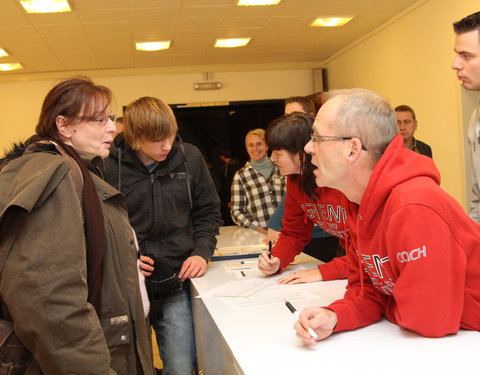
(306, 205)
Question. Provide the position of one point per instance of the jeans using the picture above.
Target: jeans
(175, 334)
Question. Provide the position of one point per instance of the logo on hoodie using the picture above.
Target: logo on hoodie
(374, 265)
(332, 219)
(410, 256)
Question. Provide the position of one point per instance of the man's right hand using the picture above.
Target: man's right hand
(267, 265)
(320, 319)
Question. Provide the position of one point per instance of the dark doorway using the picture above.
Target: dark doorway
(215, 128)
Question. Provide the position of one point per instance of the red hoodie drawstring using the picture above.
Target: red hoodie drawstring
(362, 276)
(306, 219)
(360, 266)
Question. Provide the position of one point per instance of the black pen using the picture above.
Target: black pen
(269, 249)
(294, 311)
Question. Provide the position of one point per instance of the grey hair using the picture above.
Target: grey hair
(367, 116)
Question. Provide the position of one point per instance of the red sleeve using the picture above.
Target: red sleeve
(334, 270)
(430, 289)
(296, 230)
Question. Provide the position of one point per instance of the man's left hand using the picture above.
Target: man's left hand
(194, 266)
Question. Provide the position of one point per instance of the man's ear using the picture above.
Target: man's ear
(63, 127)
(355, 149)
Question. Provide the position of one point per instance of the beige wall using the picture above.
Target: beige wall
(20, 102)
(408, 61)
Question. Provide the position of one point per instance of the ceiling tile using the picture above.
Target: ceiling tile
(82, 5)
(16, 20)
(104, 15)
(78, 60)
(108, 32)
(151, 32)
(54, 19)
(154, 3)
(152, 16)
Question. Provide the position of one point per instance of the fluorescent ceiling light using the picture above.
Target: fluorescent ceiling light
(12, 66)
(46, 6)
(257, 2)
(152, 46)
(331, 21)
(232, 43)
(3, 53)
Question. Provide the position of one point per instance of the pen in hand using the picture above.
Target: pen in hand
(297, 315)
(269, 249)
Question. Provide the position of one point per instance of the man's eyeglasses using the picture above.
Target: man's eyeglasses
(325, 138)
(99, 120)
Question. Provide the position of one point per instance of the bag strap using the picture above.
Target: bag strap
(75, 172)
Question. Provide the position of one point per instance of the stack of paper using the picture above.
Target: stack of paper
(237, 252)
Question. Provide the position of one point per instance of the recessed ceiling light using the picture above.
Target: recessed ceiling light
(3, 53)
(12, 66)
(152, 46)
(232, 43)
(331, 21)
(46, 6)
(257, 2)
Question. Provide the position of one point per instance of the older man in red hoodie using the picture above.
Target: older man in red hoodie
(417, 251)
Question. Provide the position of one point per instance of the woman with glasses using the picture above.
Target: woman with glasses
(70, 281)
(306, 204)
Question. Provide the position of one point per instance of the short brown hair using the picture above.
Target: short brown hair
(148, 119)
(72, 97)
(306, 103)
(406, 108)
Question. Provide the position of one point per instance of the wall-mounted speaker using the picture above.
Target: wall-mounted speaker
(320, 80)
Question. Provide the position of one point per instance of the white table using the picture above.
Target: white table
(236, 236)
(261, 340)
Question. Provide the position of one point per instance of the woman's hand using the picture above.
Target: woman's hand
(304, 276)
(267, 265)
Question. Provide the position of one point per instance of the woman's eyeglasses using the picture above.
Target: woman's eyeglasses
(99, 120)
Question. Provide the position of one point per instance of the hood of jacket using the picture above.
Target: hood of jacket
(13, 153)
(28, 180)
(397, 165)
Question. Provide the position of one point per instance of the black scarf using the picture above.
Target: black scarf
(94, 227)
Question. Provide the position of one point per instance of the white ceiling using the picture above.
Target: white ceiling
(100, 34)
